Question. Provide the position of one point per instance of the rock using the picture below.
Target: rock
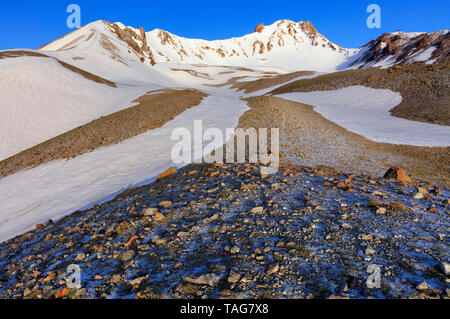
(150, 212)
(205, 280)
(137, 281)
(369, 251)
(165, 204)
(398, 174)
(132, 240)
(128, 255)
(115, 279)
(418, 196)
(273, 269)
(234, 277)
(259, 28)
(257, 210)
(381, 211)
(26, 292)
(308, 27)
(158, 217)
(62, 293)
(347, 226)
(80, 293)
(423, 286)
(168, 173)
(80, 257)
(235, 250)
(445, 267)
(422, 190)
(121, 228)
(182, 235)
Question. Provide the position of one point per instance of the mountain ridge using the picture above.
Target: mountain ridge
(285, 44)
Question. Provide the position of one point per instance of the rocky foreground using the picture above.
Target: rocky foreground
(225, 231)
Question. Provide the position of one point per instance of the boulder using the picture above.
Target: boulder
(168, 173)
(259, 28)
(398, 174)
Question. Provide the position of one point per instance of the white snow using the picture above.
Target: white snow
(424, 55)
(290, 52)
(365, 111)
(58, 188)
(41, 99)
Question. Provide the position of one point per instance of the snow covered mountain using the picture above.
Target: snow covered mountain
(284, 44)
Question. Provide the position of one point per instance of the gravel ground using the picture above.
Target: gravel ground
(308, 139)
(224, 231)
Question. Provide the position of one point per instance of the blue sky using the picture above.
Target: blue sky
(31, 24)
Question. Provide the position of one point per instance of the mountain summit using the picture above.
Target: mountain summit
(284, 44)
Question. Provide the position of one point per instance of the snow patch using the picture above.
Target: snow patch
(58, 188)
(365, 111)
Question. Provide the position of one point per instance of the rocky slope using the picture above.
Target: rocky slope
(404, 48)
(223, 231)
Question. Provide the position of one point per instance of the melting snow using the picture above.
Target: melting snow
(365, 111)
(58, 188)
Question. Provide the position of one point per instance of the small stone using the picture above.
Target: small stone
(381, 211)
(126, 256)
(273, 269)
(423, 286)
(27, 292)
(150, 212)
(182, 235)
(347, 226)
(418, 196)
(422, 190)
(369, 251)
(116, 278)
(158, 217)
(257, 210)
(205, 280)
(80, 293)
(62, 293)
(165, 204)
(234, 277)
(168, 173)
(235, 250)
(445, 267)
(80, 257)
(137, 281)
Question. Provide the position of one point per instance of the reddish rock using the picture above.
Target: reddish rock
(62, 293)
(398, 174)
(143, 37)
(170, 172)
(259, 28)
(308, 27)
